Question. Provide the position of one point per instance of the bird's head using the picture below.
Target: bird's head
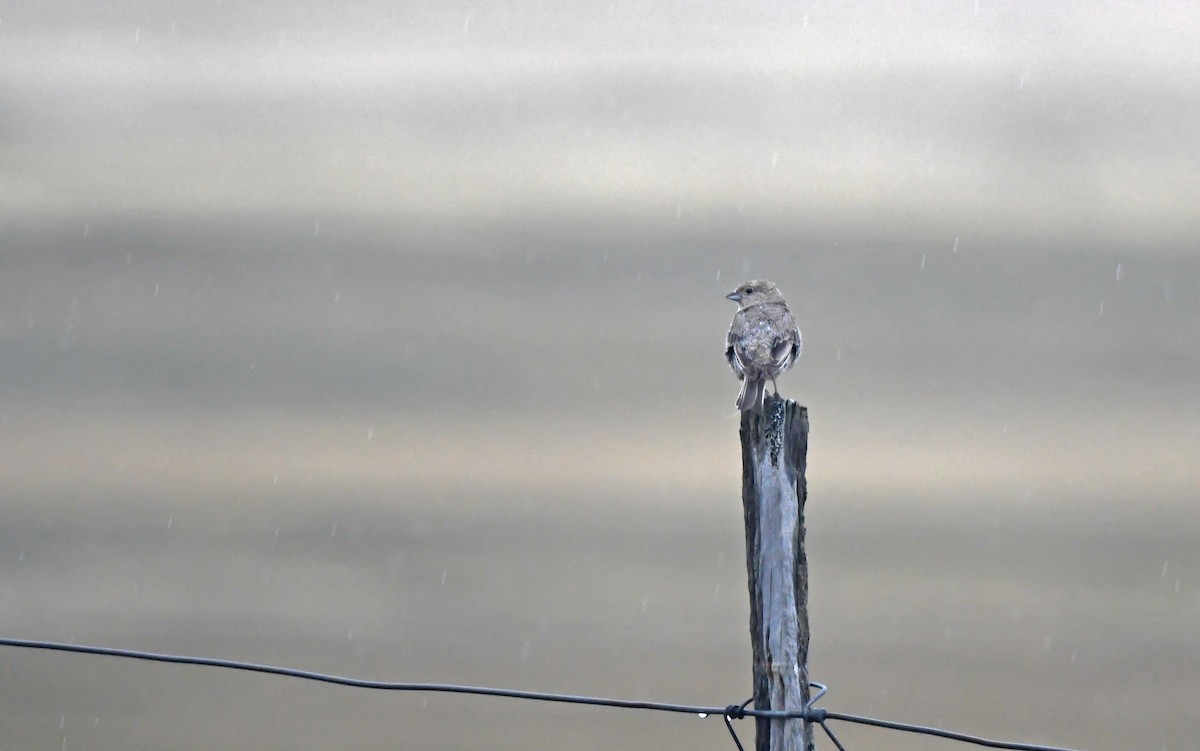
(755, 292)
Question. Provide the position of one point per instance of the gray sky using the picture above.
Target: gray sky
(846, 150)
(1012, 120)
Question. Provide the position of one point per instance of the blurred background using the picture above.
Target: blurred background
(386, 339)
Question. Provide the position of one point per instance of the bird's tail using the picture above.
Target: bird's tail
(751, 395)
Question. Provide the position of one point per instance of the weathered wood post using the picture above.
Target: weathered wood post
(774, 458)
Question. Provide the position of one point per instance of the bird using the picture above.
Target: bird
(763, 339)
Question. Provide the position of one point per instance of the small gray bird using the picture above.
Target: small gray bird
(763, 339)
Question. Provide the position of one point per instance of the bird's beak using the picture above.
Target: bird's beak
(734, 296)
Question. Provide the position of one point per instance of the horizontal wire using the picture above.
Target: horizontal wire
(940, 733)
(809, 713)
(384, 685)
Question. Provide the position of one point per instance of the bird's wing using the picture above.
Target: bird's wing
(783, 351)
(735, 360)
(781, 331)
(731, 352)
(786, 350)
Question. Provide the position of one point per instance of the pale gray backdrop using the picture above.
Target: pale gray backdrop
(386, 340)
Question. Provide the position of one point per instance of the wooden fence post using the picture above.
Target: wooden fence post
(774, 458)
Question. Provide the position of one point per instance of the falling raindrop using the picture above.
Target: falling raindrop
(1164, 571)
(370, 432)
(170, 521)
(956, 245)
(333, 532)
(1101, 307)
(1118, 277)
(923, 256)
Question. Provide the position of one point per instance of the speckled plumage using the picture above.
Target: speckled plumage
(763, 339)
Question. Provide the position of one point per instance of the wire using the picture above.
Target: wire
(737, 712)
(384, 685)
(832, 737)
(732, 712)
(938, 732)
